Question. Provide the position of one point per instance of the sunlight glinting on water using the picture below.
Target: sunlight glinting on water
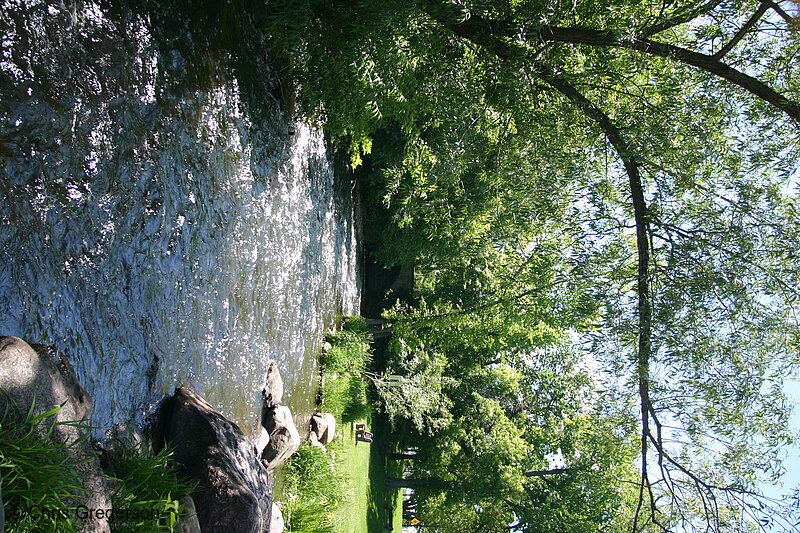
(159, 233)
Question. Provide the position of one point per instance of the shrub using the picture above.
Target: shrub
(343, 364)
(349, 351)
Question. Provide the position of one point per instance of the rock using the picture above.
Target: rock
(119, 439)
(261, 443)
(324, 426)
(234, 491)
(314, 441)
(276, 525)
(46, 370)
(188, 521)
(43, 378)
(272, 393)
(283, 436)
(125, 436)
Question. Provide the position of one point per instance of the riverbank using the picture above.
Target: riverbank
(339, 488)
(54, 477)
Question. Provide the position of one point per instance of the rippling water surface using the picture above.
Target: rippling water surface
(161, 221)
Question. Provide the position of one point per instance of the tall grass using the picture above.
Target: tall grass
(349, 350)
(39, 474)
(342, 365)
(145, 482)
(42, 483)
(314, 488)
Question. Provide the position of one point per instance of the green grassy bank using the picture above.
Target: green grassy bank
(341, 489)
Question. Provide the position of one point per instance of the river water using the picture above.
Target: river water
(162, 221)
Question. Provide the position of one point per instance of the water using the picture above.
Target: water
(162, 221)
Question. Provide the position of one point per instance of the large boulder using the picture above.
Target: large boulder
(41, 375)
(234, 491)
(272, 393)
(284, 438)
(323, 425)
(43, 378)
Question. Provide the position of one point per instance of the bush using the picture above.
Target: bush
(349, 351)
(343, 364)
(345, 397)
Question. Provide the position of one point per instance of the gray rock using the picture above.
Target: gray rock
(272, 393)
(30, 370)
(43, 378)
(119, 440)
(261, 442)
(284, 438)
(276, 525)
(323, 425)
(234, 488)
(314, 441)
(125, 436)
(188, 521)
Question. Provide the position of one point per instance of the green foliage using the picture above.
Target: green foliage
(146, 482)
(314, 489)
(349, 349)
(343, 363)
(512, 198)
(37, 472)
(42, 482)
(344, 396)
(418, 397)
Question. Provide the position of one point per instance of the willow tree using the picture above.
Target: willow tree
(657, 143)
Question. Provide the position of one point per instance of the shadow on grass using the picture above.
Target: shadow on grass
(383, 504)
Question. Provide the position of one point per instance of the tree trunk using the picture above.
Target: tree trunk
(401, 456)
(402, 483)
(381, 333)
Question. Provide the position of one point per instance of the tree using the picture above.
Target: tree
(656, 144)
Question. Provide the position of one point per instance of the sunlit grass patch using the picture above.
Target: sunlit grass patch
(314, 490)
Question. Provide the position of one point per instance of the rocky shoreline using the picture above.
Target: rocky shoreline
(233, 474)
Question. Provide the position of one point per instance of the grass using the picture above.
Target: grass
(340, 489)
(37, 473)
(342, 365)
(42, 483)
(313, 492)
(145, 482)
(381, 502)
(356, 462)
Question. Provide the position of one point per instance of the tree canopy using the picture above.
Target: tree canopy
(600, 201)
